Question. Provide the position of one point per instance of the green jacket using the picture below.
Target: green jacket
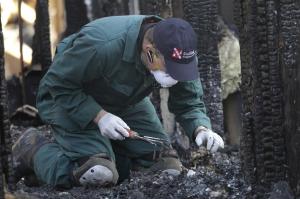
(99, 68)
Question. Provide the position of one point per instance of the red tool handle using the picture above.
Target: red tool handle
(132, 134)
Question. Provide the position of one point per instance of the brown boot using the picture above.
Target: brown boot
(23, 151)
(168, 161)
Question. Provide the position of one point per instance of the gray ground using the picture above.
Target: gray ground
(205, 176)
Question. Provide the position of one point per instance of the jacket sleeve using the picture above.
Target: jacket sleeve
(79, 63)
(185, 101)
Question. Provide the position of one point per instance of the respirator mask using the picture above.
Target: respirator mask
(163, 78)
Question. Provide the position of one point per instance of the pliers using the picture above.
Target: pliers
(152, 140)
(149, 139)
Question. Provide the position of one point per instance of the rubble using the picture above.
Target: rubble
(205, 176)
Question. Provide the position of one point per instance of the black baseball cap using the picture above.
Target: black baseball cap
(177, 41)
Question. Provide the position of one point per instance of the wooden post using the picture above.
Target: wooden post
(270, 139)
(6, 170)
(202, 14)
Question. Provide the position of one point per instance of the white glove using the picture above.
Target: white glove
(113, 127)
(213, 140)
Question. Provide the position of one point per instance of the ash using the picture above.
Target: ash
(205, 176)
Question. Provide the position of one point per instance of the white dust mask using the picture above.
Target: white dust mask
(163, 78)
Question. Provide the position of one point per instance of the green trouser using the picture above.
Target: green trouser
(54, 162)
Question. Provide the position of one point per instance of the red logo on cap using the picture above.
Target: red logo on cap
(177, 53)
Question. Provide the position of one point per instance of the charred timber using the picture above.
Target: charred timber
(76, 16)
(2, 135)
(104, 8)
(150, 7)
(244, 16)
(202, 14)
(5, 137)
(289, 16)
(263, 35)
(41, 39)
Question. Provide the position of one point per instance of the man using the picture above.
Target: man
(96, 90)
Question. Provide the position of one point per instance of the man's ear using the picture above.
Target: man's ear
(147, 45)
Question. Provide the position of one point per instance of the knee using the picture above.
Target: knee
(98, 170)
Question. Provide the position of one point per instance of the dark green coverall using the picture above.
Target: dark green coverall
(100, 68)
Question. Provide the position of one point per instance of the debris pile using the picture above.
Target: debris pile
(205, 176)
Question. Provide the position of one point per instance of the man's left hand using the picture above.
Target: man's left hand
(213, 141)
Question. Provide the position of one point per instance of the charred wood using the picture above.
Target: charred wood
(151, 7)
(14, 91)
(263, 143)
(203, 17)
(104, 8)
(289, 16)
(76, 16)
(5, 137)
(41, 40)
(177, 8)
(1, 181)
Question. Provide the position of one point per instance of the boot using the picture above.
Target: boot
(24, 150)
(32, 181)
(168, 162)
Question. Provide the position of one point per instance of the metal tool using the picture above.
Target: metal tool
(149, 139)
(152, 140)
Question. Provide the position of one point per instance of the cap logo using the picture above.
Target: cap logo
(187, 55)
(177, 53)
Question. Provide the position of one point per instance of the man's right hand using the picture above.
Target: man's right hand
(113, 127)
(213, 141)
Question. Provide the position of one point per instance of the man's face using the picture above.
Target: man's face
(151, 57)
(155, 62)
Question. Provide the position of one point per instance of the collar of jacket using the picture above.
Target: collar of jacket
(130, 51)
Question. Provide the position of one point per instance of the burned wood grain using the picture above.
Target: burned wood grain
(5, 137)
(41, 48)
(76, 16)
(104, 8)
(203, 17)
(269, 32)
